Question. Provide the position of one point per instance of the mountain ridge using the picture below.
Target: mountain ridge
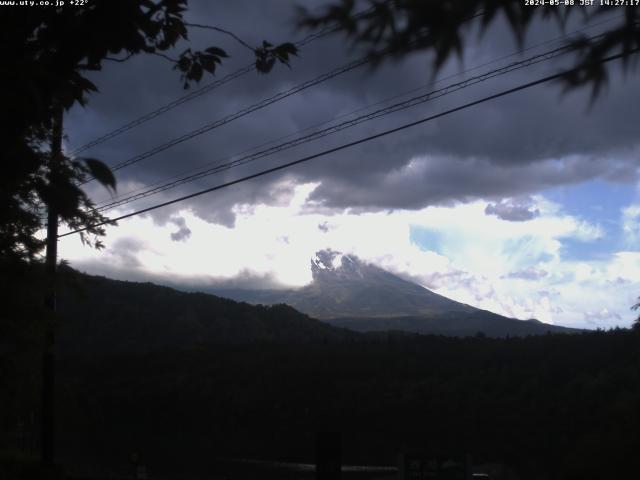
(348, 292)
(103, 315)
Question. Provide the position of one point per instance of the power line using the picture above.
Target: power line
(169, 106)
(260, 105)
(244, 112)
(411, 102)
(202, 90)
(108, 203)
(354, 143)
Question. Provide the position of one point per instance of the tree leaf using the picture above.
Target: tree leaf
(208, 63)
(218, 52)
(288, 48)
(196, 72)
(101, 172)
(184, 63)
(264, 64)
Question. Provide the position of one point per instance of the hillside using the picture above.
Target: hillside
(548, 406)
(461, 324)
(104, 315)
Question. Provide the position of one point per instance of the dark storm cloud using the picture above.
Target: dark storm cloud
(437, 180)
(510, 147)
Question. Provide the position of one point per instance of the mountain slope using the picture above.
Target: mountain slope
(103, 315)
(344, 286)
(463, 324)
(350, 293)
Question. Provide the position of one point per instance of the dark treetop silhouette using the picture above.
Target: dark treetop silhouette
(46, 52)
(441, 28)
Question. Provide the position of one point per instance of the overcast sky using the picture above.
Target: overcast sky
(527, 206)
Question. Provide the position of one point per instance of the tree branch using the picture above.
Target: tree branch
(119, 59)
(166, 57)
(221, 30)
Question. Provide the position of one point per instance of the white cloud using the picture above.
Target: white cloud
(631, 223)
(599, 316)
(474, 262)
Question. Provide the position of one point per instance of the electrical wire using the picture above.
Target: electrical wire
(258, 106)
(244, 112)
(411, 102)
(112, 200)
(201, 91)
(351, 144)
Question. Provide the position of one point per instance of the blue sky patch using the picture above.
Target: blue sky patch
(426, 239)
(598, 202)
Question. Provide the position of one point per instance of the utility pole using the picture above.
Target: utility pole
(48, 357)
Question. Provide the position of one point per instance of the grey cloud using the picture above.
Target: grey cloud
(551, 293)
(513, 210)
(245, 279)
(183, 233)
(595, 318)
(441, 180)
(511, 147)
(529, 273)
(220, 207)
(125, 251)
(453, 279)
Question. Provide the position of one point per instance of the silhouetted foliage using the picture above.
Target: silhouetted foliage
(46, 52)
(267, 55)
(551, 406)
(442, 28)
(151, 369)
(636, 323)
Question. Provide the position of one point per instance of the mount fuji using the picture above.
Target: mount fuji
(348, 292)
